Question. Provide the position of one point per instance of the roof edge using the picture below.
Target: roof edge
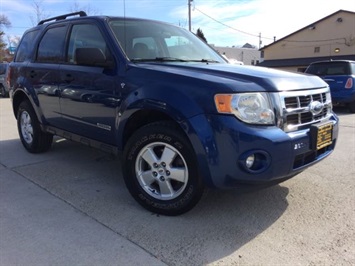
(340, 10)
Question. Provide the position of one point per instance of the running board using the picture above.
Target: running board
(83, 140)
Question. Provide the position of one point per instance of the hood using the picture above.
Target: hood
(238, 77)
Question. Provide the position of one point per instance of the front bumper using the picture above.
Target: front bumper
(224, 143)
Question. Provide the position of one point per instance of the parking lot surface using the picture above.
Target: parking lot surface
(69, 206)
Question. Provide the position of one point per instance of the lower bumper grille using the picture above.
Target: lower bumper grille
(311, 156)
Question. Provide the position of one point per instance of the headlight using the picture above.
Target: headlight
(252, 108)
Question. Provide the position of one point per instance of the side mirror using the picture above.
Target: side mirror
(91, 57)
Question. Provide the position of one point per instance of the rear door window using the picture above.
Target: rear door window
(51, 47)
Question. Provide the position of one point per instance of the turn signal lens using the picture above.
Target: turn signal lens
(223, 103)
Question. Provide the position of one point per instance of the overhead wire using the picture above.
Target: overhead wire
(220, 22)
(259, 36)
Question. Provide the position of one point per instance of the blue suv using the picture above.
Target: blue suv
(340, 75)
(180, 117)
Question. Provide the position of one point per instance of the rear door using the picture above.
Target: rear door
(88, 91)
(43, 72)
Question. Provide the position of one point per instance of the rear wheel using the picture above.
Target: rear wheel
(31, 135)
(351, 107)
(160, 169)
(3, 92)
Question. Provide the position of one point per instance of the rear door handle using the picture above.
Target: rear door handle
(68, 78)
(33, 74)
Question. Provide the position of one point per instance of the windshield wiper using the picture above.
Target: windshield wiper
(159, 59)
(205, 61)
(172, 59)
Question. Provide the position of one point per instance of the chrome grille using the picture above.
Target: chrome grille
(299, 109)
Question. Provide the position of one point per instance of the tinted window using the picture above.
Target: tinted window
(50, 49)
(86, 36)
(24, 49)
(329, 68)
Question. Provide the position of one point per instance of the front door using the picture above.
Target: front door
(89, 100)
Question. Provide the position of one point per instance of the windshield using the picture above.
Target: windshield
(144, 40)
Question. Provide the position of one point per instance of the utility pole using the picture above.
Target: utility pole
(189, 4)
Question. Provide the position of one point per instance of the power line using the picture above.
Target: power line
(247, 33)
(268, 38)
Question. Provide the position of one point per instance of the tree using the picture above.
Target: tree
(4, 22)
(200, 34)
(86, 8)
(40, 14)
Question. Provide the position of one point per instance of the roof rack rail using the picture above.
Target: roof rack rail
(80, 13)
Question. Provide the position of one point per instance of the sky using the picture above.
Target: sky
(223, 22)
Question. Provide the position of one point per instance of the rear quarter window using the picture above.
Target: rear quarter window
(25, 47)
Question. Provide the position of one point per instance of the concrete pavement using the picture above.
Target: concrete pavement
(69, 206)
(39, 228)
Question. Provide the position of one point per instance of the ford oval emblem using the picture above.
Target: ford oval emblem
(316, 107)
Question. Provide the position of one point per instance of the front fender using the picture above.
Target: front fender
(175, 102)
(182, 110)
(174, 106)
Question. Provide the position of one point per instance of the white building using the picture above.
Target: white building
(249, 56)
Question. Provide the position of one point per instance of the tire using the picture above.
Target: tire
(351, 107)
(31, 135)
(3, 92)
(160, 169)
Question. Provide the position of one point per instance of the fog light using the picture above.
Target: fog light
(249, 162)
(254, 161)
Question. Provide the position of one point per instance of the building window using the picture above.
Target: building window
(316, 49)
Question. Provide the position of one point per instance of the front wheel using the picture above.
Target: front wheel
(31, 135)
(160, 169)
